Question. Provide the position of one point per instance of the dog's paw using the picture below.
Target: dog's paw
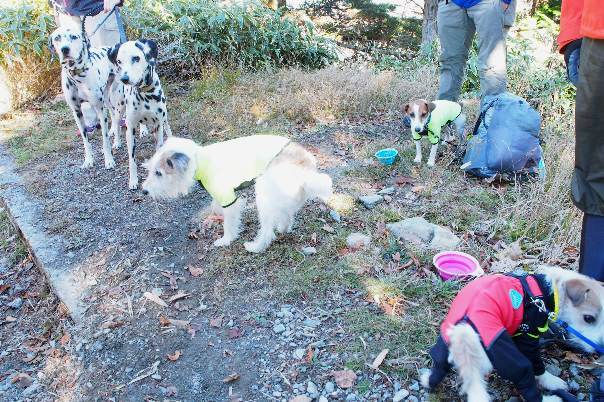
(430, 163)
(551, 398)
(417, 160)
(88, 163)
(143, 132)
(253, 247)
(222, 242)
(424, 379)
(133, 184)
(116, 145)
(109, 163)
(550, 382)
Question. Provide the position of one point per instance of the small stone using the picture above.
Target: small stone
(156, 377)
(279, 328)
(574, 369)
(277, 394)
(400, 395)
(335, 216)
(16, 304)
(323, 399)
(581, 396)
(309, 322)
(412, 398)
(553, 369)
(387, 191)
(351, 397)
(370, 201)
(387, 198)
(414, 386)
(357, 240)
(309, 251)
(573, 385)
(330, 387)
(299, 353)
(312, 389)
(97, 346)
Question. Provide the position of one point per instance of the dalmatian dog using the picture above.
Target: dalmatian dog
(145, 104)
(87, 75)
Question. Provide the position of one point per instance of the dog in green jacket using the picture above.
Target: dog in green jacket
(428, 119)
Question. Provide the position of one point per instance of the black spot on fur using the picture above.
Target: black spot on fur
(147, 106)
(140, 121)
(73, 98)
(79, 114)
(159, 110)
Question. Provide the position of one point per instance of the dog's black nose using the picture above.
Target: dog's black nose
(145, 192)
(417, 129)
(125, 79)
(65, 50)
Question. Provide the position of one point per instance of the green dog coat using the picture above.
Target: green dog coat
(224, 167)
(444, 112)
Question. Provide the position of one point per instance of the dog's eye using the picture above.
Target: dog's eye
(73, 37)
(412, 114)
(158, 173)
(136, 59)
(424, 114)
(57, 38)
(588, 318)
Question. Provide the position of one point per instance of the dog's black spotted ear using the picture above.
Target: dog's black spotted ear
(112, 53)
(431, 106)
(178, 161)
(407, 107)
(577, 291)
(150, 51)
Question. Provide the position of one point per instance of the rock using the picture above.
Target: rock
(400, 395)
(581, 396)
(573, 385)
(330, 387)
(335, 216)
(279, 328)
(312, 389)
(419, 231)
(553, 369)
(387, 191)
(309, 322)
(33, 388)
(414, 386)
(299, 353)
(323, 399)
(309, 251)
(574, 369)
(412, 398)
(370, 201)
(351, 397)
(357, 240)
(301, 398)
(16, 304)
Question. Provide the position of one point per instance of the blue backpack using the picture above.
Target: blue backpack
(505, 140)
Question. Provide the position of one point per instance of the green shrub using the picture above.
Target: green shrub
(251, 36)
(24, 29)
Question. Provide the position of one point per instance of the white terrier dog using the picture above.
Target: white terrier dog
(495, 323)
(285, 174)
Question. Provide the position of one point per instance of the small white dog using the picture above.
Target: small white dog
(496, 321)
(428, 119)
(285, 174)
(145, 101)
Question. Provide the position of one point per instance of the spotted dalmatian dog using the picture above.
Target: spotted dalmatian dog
(87, 75)
(145, 101)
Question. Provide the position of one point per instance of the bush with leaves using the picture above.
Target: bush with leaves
(26, 71)
(250, 35)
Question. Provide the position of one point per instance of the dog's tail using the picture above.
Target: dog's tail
(468, 355)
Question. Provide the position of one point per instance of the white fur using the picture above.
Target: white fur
(468, 356)
(280, 192)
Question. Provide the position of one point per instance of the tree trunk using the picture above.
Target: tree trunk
(429, 23)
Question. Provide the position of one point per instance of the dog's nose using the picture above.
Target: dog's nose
(145, 192)
(417, 129)
(65, 50)
(125, 79)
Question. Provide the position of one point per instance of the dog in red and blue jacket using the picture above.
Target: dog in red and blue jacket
(495, 323)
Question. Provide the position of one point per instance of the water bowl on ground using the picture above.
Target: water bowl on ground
(453, 265)
(386, 156)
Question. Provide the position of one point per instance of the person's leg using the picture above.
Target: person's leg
(591, 261)
(455, 32)
(509, 17)
(108, 34)
(488, 19)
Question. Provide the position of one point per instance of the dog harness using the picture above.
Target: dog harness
(224, 167)
(444, 113)
(509, 313)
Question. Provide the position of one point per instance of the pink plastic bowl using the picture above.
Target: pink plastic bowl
(455, 265)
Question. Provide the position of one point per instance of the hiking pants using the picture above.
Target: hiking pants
(456, 28)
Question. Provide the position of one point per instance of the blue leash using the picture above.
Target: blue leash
(564, 324)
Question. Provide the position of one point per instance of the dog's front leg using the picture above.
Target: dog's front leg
(432, 157)
(101, 114)
(116, 130)
(131, 144)
(79, 118)
(551, 382)
(232, 223)
(159, 136)
(418, 152)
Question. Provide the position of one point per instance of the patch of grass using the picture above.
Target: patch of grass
(214, 85)
(11, 245)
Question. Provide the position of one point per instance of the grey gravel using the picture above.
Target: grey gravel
(279, 328)
(400, 395)
(553, 369)
(370, 201)
(16, 304)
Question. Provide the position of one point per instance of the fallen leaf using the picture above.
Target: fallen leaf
(65, 339)
(310, 353)
(112, 324)
(193, 235)
(379, 359)
(184, 324)
(155, 299)
(171, 390)
(4, 288)
(172, 279)
(195, 271)
(396, 257)
(402, 180)
(9, 318)
(178, 296)
(174, 356)
(573, 357)
(230, 378)
(344, 378)
(164, 321)
(418, 189)
(216, 322)
(380, 229)
(570, 251)
(24, 380)
(328, 229)
(234, 333)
